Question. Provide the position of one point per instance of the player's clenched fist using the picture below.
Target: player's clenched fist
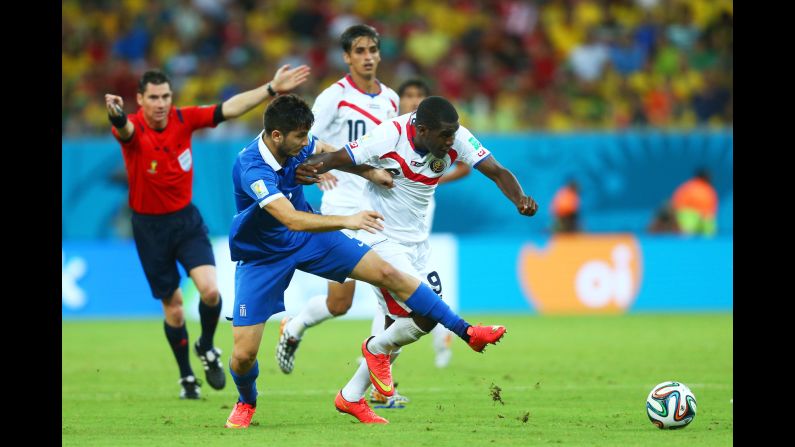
(365, 220)
(527, 206)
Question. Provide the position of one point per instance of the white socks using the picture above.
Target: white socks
(378, 328)
(315, 312)
(442, 338)
(355, 388)
(378, 321)
(402, 332)
(442, 341)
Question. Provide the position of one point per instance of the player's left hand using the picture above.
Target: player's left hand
(327, 181)
(287, 79)
(306, 174)
(527, 206)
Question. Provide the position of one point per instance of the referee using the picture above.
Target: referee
(167, 227)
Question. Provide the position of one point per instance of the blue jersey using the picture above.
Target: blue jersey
(258, 180)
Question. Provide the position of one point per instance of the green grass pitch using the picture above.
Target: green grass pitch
(563, 380)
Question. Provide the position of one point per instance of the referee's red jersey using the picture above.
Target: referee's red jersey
(160, 163)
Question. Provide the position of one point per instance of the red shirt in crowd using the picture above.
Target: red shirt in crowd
(696, 194)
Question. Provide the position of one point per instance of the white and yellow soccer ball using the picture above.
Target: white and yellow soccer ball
(671, 405)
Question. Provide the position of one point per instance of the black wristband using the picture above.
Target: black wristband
(271, 91)
(118, 121)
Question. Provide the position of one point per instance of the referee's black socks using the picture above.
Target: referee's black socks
(178, 340)
(208, 315)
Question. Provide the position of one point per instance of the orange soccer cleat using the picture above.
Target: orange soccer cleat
(360, 410)
(241, 416)
(480, 336)
(380, 370)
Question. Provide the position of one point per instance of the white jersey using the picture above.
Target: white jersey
(416, 173)
(343, 113)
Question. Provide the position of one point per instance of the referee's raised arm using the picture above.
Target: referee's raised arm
(117, 117)
(283, 81)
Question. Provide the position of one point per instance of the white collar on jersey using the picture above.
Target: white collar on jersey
(266, 153)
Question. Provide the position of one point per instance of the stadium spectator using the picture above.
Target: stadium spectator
(695, 205)
(518, 39)
(664, 221)
(627, 56)
(167, 227)
(566, 208)
(588, 59)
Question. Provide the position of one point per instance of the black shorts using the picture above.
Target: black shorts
(164, 239)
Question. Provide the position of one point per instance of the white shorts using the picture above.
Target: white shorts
(346, 198)
(333, 205)
(409, 257)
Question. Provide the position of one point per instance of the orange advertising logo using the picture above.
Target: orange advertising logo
(582, 274)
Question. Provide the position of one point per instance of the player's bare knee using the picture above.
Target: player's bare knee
(389, 276)
(243, 358)
(210, 295)
(339, 304)
(175, 316)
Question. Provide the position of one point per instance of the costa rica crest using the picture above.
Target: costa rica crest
(438, 165)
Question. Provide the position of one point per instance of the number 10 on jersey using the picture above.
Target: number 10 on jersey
(354, 131)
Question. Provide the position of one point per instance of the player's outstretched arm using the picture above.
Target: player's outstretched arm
(509, 186)
(115, 106)
(310, 171)
(283, 81)
(326, 158)
(284, 211)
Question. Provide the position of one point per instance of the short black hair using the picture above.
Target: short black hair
(418, 83)
(287, 113)
(356, 31)
(154, 77)
(435, 110)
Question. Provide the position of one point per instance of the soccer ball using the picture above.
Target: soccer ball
(671, 405)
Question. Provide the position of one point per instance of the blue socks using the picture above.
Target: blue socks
(209, 320)
(178, 340)
(427, 303)
(246, 384)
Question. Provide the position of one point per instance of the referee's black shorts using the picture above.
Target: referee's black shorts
(164, 239)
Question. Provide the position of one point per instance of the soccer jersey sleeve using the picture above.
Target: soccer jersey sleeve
(198, 117)
(325, 110)
(261, 184)
(377, 142)
(469, 149)
(394, 101)
(130, 144)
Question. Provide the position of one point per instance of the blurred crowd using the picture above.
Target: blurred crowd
(508, 65)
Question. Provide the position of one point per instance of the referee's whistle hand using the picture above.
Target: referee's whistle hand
(114, 104)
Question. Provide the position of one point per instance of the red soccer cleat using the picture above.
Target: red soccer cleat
(360, 410)
(480, 336)
(380, 370)
(241, 416)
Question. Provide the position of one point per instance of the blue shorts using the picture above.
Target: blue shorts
(164, 239)
(260, 285)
